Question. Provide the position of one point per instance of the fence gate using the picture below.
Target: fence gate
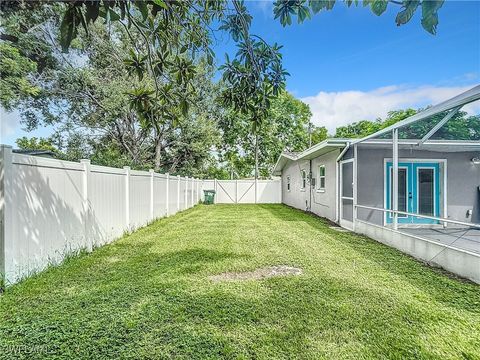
(235, 192)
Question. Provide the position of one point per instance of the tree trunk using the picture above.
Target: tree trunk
(158, 153)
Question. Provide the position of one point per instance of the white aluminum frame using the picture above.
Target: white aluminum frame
(443, 174)
(345, 223)
(385, 189)
(439, 219)
(453, 104)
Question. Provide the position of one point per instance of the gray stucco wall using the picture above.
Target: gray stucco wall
(296, 197)
(322, 203)
(463, 179)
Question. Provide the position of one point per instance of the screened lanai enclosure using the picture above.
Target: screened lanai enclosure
(416, 185)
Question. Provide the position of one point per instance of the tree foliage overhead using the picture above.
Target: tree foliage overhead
(284, 10)
(109, 100)
(131, 82)
(255, 77)
(15, 82)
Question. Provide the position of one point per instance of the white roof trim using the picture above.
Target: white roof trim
(335, 143)
(428, 142)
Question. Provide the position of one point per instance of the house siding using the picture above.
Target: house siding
(320, 203)
(323, 203)
(463, 180)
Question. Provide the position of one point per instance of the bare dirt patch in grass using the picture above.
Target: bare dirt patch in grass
(257, 274)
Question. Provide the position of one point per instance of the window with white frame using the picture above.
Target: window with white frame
(288, 183)
(321, 178)
(304, 179)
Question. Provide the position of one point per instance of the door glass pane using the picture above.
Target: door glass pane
(426, 192)
(402, 190)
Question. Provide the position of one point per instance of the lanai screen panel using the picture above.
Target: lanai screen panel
(438, 178)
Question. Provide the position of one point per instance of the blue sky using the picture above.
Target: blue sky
(349, 64)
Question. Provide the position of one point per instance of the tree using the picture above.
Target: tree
(166, 39)
(254, 77)
(303, 9)
(319, 134)
(287, 127)
(15, 82)
(97, 112)
(36, 144)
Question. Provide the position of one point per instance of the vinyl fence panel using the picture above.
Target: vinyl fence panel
(225, 192)
(107, 204)
(51, 208)
(269, 191)
(246, 191)
(173, 194)
(139, 199)
(159, 196)
(44, 205)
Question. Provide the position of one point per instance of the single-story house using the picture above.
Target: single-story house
(420, 195)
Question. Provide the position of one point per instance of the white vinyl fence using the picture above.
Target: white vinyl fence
(245, 191)
(51, 208)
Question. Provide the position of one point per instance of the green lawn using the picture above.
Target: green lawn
(148, 295)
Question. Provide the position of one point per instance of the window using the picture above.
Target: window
(402, 190)
(288, 183)
(426, 191)
(304, 179)
(321, 178)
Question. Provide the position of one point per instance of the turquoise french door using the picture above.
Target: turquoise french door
(418, 191)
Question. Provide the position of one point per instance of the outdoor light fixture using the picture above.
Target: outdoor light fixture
(476, 161)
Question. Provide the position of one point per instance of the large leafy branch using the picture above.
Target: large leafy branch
(255, 76)
(285, 10)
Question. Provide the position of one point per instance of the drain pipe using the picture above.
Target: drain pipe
(310, 175)
(337, 180)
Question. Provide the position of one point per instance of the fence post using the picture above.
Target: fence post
(192, 194)
(152, 173)
(256, 189)
(5, 186)
(215, 189)
(127, 196)
(236, 191)
(198, 191)
(186, 192)
(167, 194)
(86, 203)
(178, 193)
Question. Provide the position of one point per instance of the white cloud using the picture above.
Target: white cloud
(264, 6)
(333, 109)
